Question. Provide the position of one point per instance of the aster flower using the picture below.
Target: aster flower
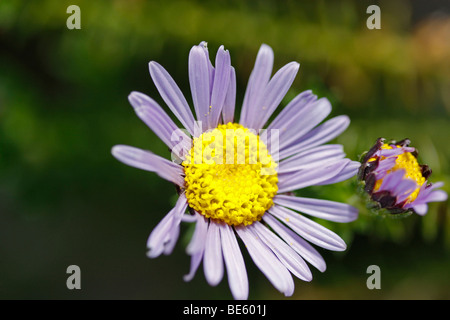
(245, 195)
(395, 181)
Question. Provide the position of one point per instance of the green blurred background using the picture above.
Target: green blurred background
(63, 104)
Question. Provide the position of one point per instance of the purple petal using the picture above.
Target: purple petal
(437, 196)
(383, 166)
(303, 248)
(221, 84)
(319, 135)
(173, 234)
(198, 239)
(200, 84)
(212, 260)
(196, 247)
(392, 180)
(394, 152)
(306, 178)
(427, 193)
(148, 161)
(309, 230)
(172, 95)
(196, 259)
(421, 209)
(257, 83)
(156, 119)
(426, 189)
(314, 157)
(163, 235)
(436, 185)
(266, 261)
(230, 99)
(204, 46)
(234, 262)
(324, 209)
(291, 260)
(404, 189)
(304, 121)
(296, 105)
(189, 218)
(350, 170)
(158, 237)
(275, 91)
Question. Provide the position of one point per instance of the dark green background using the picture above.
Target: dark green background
(63, 104)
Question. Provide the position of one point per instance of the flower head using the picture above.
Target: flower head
(235, 179)
(235, 191)
(396, 181)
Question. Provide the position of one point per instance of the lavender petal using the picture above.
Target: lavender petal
(267, 262)
(196, 246)
(230, 99)
(257, 83)
(421, 209)
(274, 92)
(350, 170)
(148, 161)
(305, 121)
(163, 234)
(323, 133)
(290, 259)
(404, 189)
(200, 84)
(284, 119)
(302, 247)
(212, 260)
(324, 209)
(196, 259)
(172, 95)
(314, 157)
(234, 262)
(391, 181)
(305, 178)
(221, 84)
(309, 230)
(156, 119)
(198, 239)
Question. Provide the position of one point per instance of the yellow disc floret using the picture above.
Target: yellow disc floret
(230, 176)
(408, 162)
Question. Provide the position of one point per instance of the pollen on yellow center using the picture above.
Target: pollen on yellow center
(408, 162)
(230, 176)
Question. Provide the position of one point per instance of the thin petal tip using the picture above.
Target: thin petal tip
(266, 47)
(117, 151)
(135, 98)
(153, 66)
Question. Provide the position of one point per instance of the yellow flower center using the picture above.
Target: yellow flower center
(230, 176)
(408, 162)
